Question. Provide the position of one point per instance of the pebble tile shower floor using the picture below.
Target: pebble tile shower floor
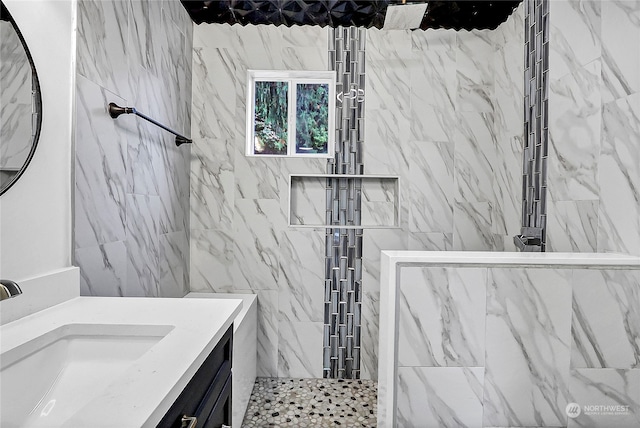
(282, 402)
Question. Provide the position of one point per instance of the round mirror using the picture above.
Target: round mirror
(20, 103)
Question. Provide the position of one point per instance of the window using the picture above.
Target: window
(290, 113)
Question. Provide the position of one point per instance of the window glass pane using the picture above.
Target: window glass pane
(312, 118)
(270, 122)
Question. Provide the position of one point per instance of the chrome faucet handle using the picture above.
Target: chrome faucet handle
(9, 289)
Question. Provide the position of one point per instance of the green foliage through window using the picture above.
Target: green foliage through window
(312, 118)
(270, 123)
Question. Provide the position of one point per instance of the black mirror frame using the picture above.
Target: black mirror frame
(37, 100)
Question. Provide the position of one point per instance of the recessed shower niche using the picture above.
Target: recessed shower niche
(311, 204)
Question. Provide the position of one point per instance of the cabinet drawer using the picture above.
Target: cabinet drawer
(221, 412)
(215, 389)
(194, 395)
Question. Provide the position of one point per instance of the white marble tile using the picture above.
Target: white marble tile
(256, 178)
(425, 42)
(145, 142)
(301, 282)
(257, 47)
(144, 28)
(384, 149)
(442, 324)
(305, 36)
(378, 213)
(308, 201)
(173, 264)
(142, 245)
(173, 188)
(213, 36)
(212, 184)
(475, 158)
(102, 44)
(178, 14)
(214, 94)
(103, 269)
(369, 331)
(390, 81)
(508, 80)
(575, 110)
(378, 190)
(309, 205)
(474, 60)
(606, 319)
(431, 123)
(374, 241)
(620, 61)
(472, 227)
(572, 226)
(527, 347)
(305, 57)
(300, 349)
(268, 337)
(508, 185)
(100, 168)
(174, 73)
(430, 187)
(132, 170)
(384, 45)
(257, 230)
(212, 262)
(575, 32)
(430, 241)
(440, 397)
(619, 177)
(606, 387)
(433, 77)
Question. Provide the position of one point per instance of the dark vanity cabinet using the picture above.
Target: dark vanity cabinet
(207, 396)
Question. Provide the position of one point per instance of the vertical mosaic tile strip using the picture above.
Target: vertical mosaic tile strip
(343, 262)
(536, 119)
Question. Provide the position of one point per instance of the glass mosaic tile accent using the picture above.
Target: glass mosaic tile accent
(536, 118)
(343, 257)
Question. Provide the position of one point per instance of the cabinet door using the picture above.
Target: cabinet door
(192, 397)
(210, 399)
(221, 413)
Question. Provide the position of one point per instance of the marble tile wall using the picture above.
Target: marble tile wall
(512, 347)
(594, 111)
(131, 181)
(444, 112)
(240, 241)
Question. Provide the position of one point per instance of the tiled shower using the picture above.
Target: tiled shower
(443, 111)
(437, 114)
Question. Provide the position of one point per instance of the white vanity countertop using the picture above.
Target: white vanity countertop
(505, 259)
(144, 392)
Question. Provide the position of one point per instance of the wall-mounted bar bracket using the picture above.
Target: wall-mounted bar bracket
(115, 111)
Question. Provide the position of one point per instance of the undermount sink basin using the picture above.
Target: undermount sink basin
(46, 380)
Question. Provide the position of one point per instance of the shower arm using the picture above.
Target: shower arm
(115, 111)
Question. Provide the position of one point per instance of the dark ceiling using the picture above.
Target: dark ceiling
(464, 14)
